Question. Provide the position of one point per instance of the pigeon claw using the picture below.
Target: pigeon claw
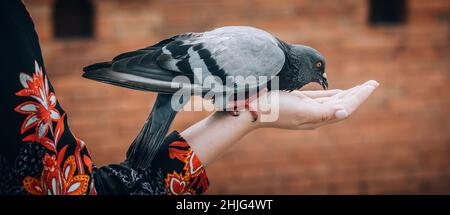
(235, 113)
(246, 104)
(253, 113)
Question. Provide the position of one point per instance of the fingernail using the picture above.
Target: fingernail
(376, 84)
(340, 114)
(373, 83)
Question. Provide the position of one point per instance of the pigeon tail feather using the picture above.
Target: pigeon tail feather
(150, 139)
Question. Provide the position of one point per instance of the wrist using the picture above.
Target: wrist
(246, 118)
(243, 123)
(263, 108)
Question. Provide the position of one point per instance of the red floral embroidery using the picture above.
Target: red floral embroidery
(194, 176)
(40, 113)
(194, 164)
(176, 151)
(53, 181)
(58, 176)
(177, 184)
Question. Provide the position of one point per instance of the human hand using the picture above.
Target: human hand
(306, 110)
(298, 110)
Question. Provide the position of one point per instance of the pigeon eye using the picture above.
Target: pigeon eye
(319, 64)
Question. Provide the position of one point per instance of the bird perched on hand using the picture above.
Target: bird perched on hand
(222, 53)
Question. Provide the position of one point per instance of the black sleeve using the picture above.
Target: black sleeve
(176, 170)
(38, 152)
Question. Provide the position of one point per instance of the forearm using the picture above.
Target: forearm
(215, 134)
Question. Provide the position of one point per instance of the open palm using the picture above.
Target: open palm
(303, 110)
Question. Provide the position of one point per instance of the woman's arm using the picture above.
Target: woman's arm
(299, 110)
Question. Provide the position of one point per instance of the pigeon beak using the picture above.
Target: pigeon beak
(324, 83)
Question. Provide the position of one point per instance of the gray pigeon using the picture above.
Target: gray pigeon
(185, 60)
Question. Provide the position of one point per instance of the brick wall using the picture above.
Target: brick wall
(398, 142)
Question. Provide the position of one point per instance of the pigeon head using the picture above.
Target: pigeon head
(309, 63)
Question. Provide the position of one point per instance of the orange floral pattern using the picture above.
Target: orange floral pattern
(67, 167)
(58, 176)
(57, 181)
(193, 178)
(41, 112)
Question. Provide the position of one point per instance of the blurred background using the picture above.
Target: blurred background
(398, 142)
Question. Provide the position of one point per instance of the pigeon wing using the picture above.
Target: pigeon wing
(239, 55)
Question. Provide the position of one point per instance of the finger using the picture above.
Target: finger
(320, 93)
(346, 92)
(298, 94)
(352, 102)
(372, 83)
(321, 113)
(346, 106)
(339, 114)
(354, 92)
(314, 94)
(366, 84)
(325, 99)
(339, 95)
(357, 87)
(320, 124)
(334, 101)
(325, 116)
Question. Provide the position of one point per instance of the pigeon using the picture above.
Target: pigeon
(182, 62)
